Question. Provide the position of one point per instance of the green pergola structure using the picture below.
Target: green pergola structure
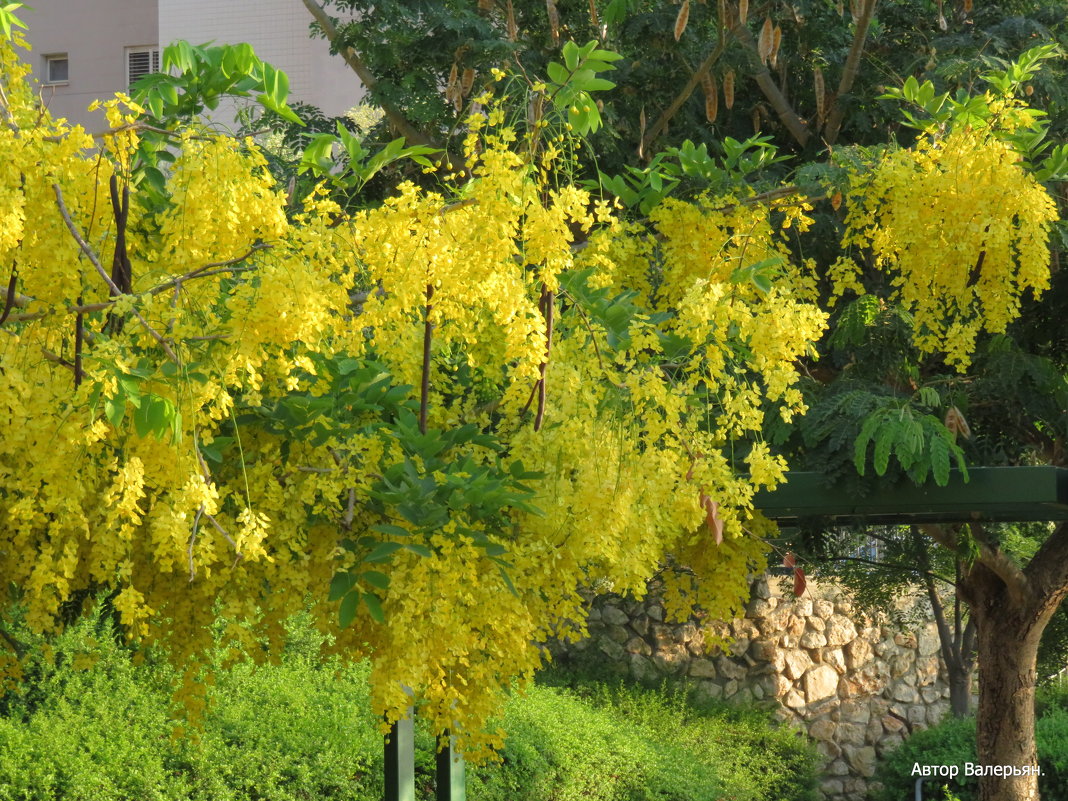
(991, 494)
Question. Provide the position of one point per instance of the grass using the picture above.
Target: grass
(303, 730)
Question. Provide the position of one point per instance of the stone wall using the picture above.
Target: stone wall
(856, 686)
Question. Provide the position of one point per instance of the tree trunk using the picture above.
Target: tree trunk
(1008, 652)
(960, 690)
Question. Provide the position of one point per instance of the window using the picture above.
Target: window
(140, 61)
(57, 69)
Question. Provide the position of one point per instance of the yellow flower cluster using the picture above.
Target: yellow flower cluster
(962, 228)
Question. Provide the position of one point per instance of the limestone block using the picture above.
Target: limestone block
(830, 749)
(831, 787)
(640, 624)
(905, 694)
(610, 648)
(891, 725)
(843, 607)
(740, 646)
(743, 695)
(656, 612)
(857, 653)
(852, 733)
(861, 759)
(840, 630)
(834, 658)
(777, 660)
(803, 607)
(662, 634)
(760, 588)
(820, 682)
(762, 650)
(821, 730)
(686, 632)
(669, 663)
(815, 624)
(729, 669)
(795, 626)
(730, 688)
(636, 645)
(794, 700)
(797, 662)
(917, 714)
(857, 712)
(928, 642)
(837, 768)
(823, 608)
(618, 633)
(643, 669)
(930, 694)
(760, 608)
(702, 668)
(615, 616)
(782, 686)
(594, 614)
(874, 731)
(902, 663)
(905, 639)
(812, 639)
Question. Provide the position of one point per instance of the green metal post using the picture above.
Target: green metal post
(451, 785)
(400, 761)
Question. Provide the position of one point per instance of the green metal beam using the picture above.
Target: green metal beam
(451, 784)
(400, 761)
(1001, 494)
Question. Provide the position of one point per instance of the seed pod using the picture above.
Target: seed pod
(682, 19)
(821, 93)
(743, 11)
(766, 40)
(728, 89)
(594, 19)
(711, 98)
(968, 5)
(554, 21)
(451, 86)
(485, 5)
(776, 40)
(756, 119)
(467, 80)
(956, 423)
(513, 28)
(836, 201)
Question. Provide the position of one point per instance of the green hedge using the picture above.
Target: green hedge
(303, 730)
(953, 743)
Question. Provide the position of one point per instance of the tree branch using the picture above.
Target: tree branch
(684, 95)
(1048, 568)
(850, 70)
(352, 58)
(88, 251)
(798, 130)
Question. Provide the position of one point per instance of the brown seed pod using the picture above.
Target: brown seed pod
(711, 98)
(485, 5)
(554, 21)
(766, 40)
(821, 93)
(956, 423)
(467, 80)
(682, 19)
(743, 11)
(776, 40)
(756, 119)
(452, 88)
(513, 28)
(728, 89)
(595, 21)
(968, 6)
(836, 201)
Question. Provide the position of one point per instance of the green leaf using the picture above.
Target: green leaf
(374, 606)
(380, 581)
(383, 551)
(347, 612)
(391, 530)
(340, 584)
(422, 550)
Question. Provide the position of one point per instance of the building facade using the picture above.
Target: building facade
(83, 50)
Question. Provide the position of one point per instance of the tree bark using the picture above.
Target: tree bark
(960, 691)
(1009, 631)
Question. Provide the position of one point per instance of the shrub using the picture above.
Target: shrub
(303, 730)
(953, 743)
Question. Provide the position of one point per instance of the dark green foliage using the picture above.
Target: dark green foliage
(303, 730)
(953, 743)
